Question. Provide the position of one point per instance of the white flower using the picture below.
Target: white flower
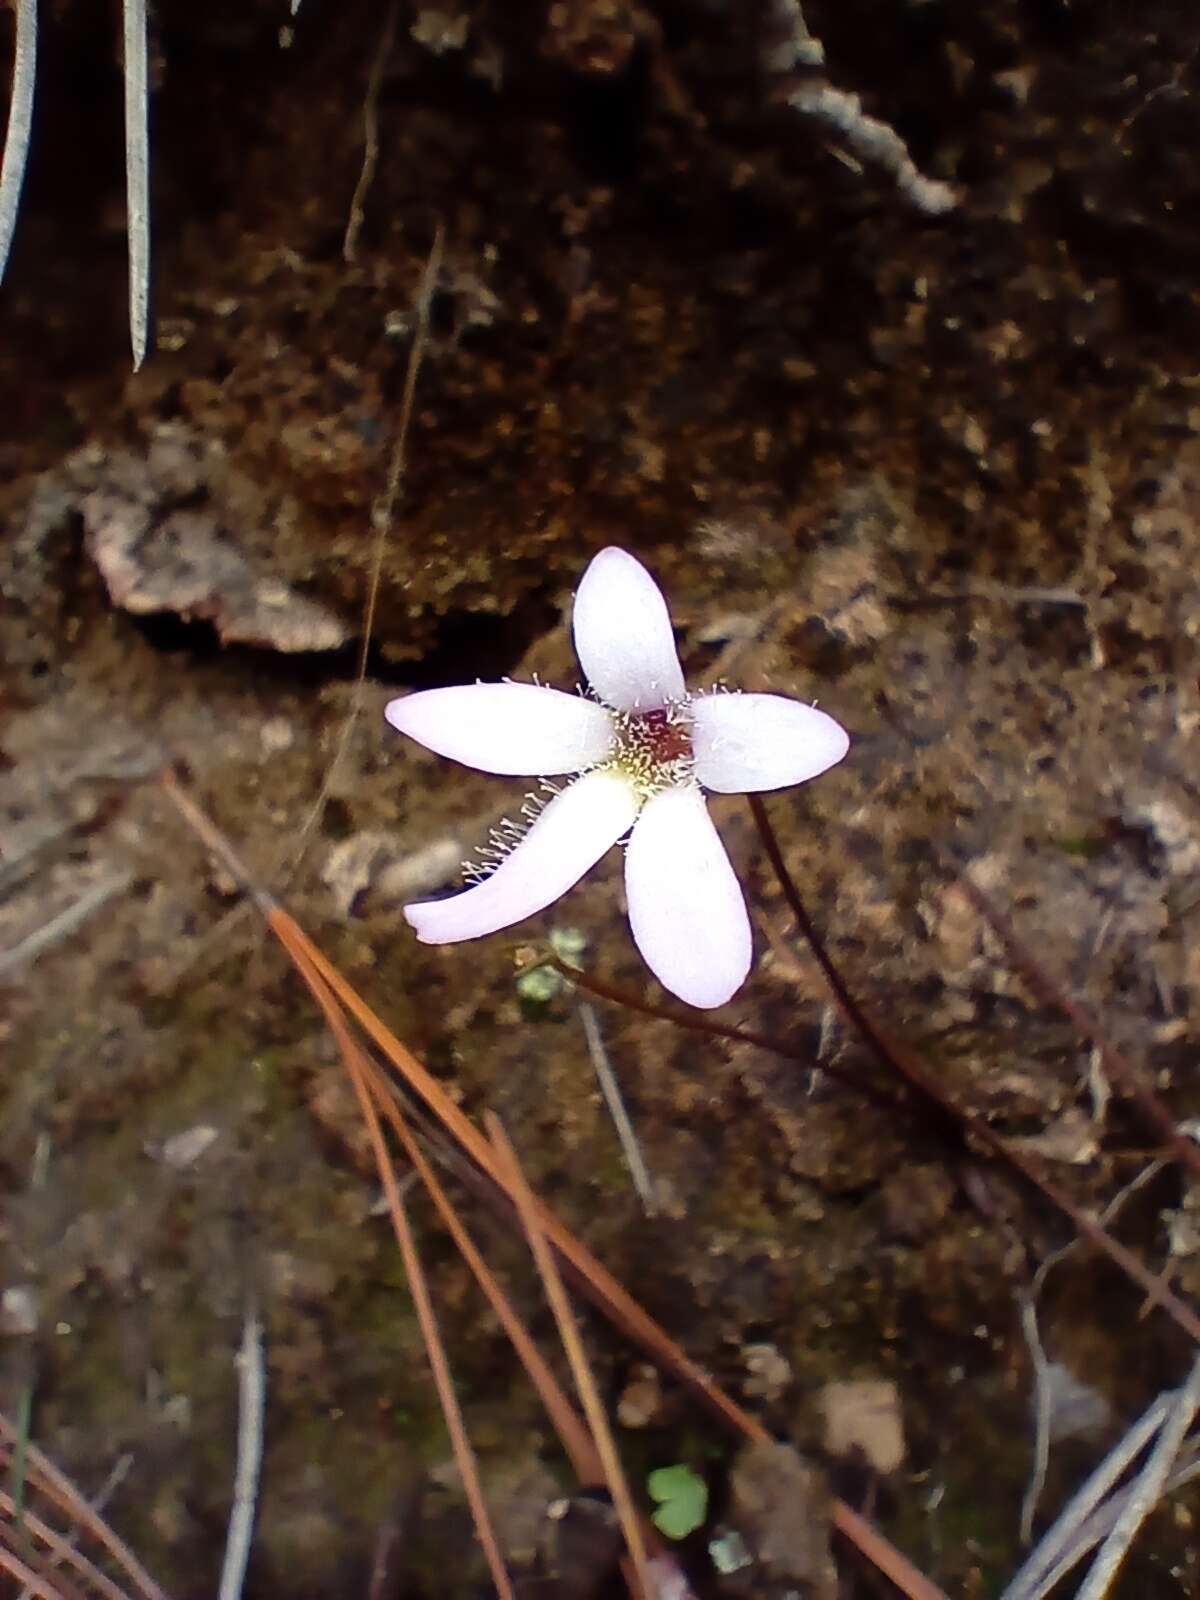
(644, 750)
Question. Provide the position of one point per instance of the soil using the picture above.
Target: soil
(937, 469)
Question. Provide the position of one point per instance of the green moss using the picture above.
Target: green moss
(1084, 846)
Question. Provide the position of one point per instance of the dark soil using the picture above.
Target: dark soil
(938, 471)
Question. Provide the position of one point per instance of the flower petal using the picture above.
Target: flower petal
(569, 836)
(685, 903)
(761, 741)
(514, 728)
(623, 635)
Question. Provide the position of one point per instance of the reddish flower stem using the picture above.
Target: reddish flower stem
(1155, 1117)
(895, 1057)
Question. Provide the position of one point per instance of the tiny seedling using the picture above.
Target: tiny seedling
(682, 1499)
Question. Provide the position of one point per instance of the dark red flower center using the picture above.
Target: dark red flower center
(663, 734)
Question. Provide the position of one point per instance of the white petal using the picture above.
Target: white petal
(761, 741)
(623, 635)
(569, 836)
(685, 903)
(513, 728)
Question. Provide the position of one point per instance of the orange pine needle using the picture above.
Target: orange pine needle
(60, 1549)
(464, 1455)
(27, 1577)
(616, 1301)
(568, 1332)
(609, 1295)
(571, 1431)
(43, 1475)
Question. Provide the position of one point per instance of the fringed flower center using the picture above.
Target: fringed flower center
(654, 748)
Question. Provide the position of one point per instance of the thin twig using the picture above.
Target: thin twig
(571, 1431)
(65, 923)
(20, 125)
(464, 1455)
(693, 1022)
(1029, 1324)
(137, 175)
(568, 1425)
(611, 1090)
(252, 1391)
(1042, 1407)
(370, 133)
(1122, 1071)
(568, 1333)
(883, 1050)
(1147, 1491)
(899, 1060)
(385, 511)
(617, 1301)
(382, 518)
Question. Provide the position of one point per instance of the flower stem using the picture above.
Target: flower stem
(691, 1023)
(948, 1117)
(964, 1123)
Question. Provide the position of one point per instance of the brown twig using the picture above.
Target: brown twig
(382, 517)
(213, 839)
(895, 1056)
(370, 159)
(116, 1477)
(694, 1023)
(1120, 1069)
(571, 1431)
(895, 1060)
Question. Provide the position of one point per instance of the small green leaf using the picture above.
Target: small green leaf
(569, 944)
(539, 985)
(682, 1500)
